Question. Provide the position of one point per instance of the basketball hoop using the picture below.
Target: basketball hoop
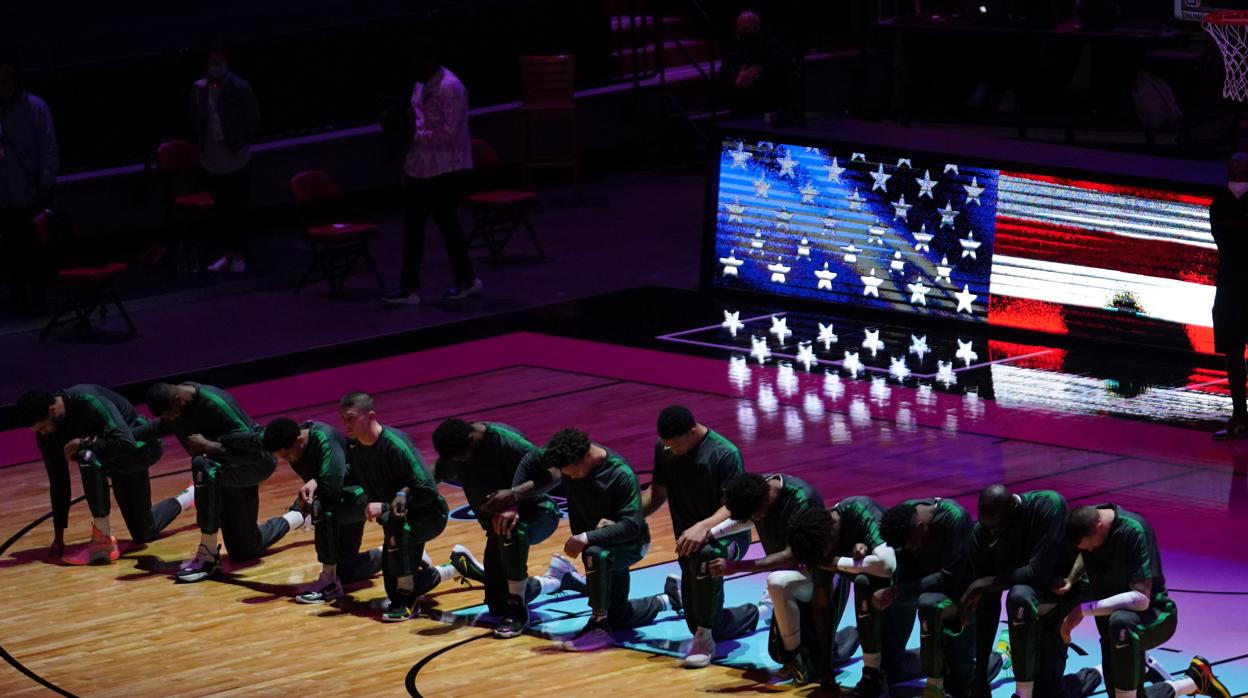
(1229, 30)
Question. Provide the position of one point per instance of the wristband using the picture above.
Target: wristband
(401, 493)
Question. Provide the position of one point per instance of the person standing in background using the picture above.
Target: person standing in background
(225, 117)
(439, 157)
(1228, 222)
(29, 159)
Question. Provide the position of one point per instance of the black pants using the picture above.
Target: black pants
(1127, 635)
(1036, 646)
(231, 197)
(607, 579)
(24, 258)
(227, 499)
(703, 595)
(127, 474)
(437, 196)
(405, 546)
(340, 532)
(507, 559)
(946, 647)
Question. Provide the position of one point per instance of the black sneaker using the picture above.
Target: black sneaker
(205, 564)
(793, 674)
(513, 625)
(323, 590)
(672, 589)
(402, 608)
(1207, 684)
(872, 684)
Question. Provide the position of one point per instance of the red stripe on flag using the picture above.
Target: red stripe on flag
(1076, 246)
(1142, 192)
(1044, 359)
(1026, 314)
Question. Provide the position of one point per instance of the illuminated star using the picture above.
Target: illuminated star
(951, 168)
(966, 352)
(787, 163)
(858, 156)
(969, 245)
(805, 354)
(973, 190)
(947, 214)
(871, 341)
(871, 284)
(803, 248)
(778, 271)
(732, 322)
(811, 149)
(738, 372)
(736, 210)
(926, 184)
(880, 179)
(825, 278)
(856, 201)
(918, 292)
(943, 269)
(851, 363)
(965, 298)
(945, 374)
(834, 171)
(757, 242)
(759, 349)
(780, 328)
(897, 367)
(782, 218)
(740, 156)
(876, 233)
(904, 162)
(829, 221)
(730, 264)
(851, 253)
(761, 187)
(832, 386)
(918, 345)
(923, 239)
(808, 193)
(901, 209)
(898, 264)
(826, 335)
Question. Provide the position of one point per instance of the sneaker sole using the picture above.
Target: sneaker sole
(696, 664)
(193, 578)
(1216, 689)
(505, 635)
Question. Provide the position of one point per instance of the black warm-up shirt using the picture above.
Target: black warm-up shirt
(324, 459)
(217, 416)
(493, 467)
(1032, 549)
(943, 564)
(695, 481)
(610, 491)
(1128, 555)
(796, 495)
(389, 465)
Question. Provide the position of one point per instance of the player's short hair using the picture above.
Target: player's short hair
(995, 501)
(566, 447)
(808, 535)
(32, 407)
(280, 434)
(744, 494)
(1080, 523)
(896, 523)
(160, 397)
(450, 439)
(675, 420)
(357, 399)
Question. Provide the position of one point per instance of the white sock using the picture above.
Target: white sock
(103, 524)
(517, 588)
(665, 602)
(1124, 694)
(424, 557)
(871, 660)
(294, 518)
(1023, 688)
(446, 571)
(186, 498)
(549, 584)
(1183, 687)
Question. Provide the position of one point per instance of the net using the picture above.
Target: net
(1230, 32)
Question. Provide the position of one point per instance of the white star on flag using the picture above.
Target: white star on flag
(803, 249)
(757, 242)
(871, 340)
(829, 221)
(973, 190)
(778, 270)
(918, 292)
(901, 209)
(736, 210)
(780, 328)
(966, 352)
(871, 284)
(943, 269)
(918, 345)
(923, 239)
(876, 232)
(805, 354)
(947, 214)
(826, 335)
(808, 193)
(834, 171)
(880, 179)
(832, 386)
(811, 149)
(951, 168)
(761, 187)
(731, 263)
(825, 278)
(782, 218)
(897, 367)
(945, 374)
(740, 156)
(787, 163)
(851, 253)
(904, 162)
(851, 363)
(759, 349)
(898, 264)
(969, 245)
(856, 201)
(965, 298)
(858, 156)
(926, 184)
(732, 322)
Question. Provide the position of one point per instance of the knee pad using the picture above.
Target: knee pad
(203, 471)
(1020, 603)
(86, 458)
(781, 583)
(1122, 624)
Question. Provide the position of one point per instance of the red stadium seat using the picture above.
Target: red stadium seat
(497, 213)
(336, 245)
(88, 289)
(177, 163)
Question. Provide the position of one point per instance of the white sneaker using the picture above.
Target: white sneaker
(220, 265)
(570, 580)
(701, 651)
(458, 293)
(401, 298)
(238, 266)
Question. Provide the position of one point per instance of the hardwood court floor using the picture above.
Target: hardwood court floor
(128, 630)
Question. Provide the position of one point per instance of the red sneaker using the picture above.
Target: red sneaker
(101, 550)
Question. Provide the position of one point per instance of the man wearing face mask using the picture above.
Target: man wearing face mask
(29, 160)
(1228, 221)
(225, 117)
(752, 76)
